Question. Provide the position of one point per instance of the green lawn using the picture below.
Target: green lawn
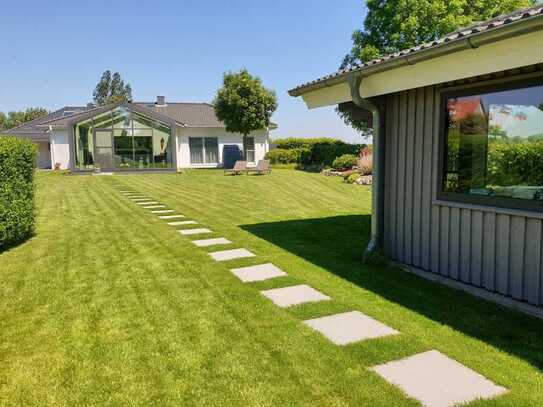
(109, 305)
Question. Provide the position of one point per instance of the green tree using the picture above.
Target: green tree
(3, 121)
(111, 89)
(395, 25)
(243, 103)
(16, 118)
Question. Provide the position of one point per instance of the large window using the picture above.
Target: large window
(138, 142)
(204, 150)
(494, 146)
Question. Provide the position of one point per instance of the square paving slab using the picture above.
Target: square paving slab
(294, 295)
(171, 216)
(350, 327)
(437, 380)
(225, 255)
(147, 203)
(198, 231)
(163, 211)
(183, 222)
(211, 242)
(258, 273)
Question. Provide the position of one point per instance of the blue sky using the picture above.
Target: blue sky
(53, 53)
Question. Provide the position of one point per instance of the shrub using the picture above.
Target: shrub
(17, 161)
(317, 152)
(345, 162)
(280, 156)
(352, 178)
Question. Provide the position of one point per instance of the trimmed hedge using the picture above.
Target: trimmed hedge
(280, 156)
(17, 162)
(314, 151)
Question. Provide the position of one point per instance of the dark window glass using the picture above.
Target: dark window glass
(211, 146)
(249, 148)
(196, 145)
(494, 144)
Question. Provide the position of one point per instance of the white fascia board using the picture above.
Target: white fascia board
(510, 53)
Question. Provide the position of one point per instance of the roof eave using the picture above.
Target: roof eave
(476, 40)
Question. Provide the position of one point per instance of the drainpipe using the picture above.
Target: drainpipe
(377, 199)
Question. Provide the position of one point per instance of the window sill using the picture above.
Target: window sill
(488, 208)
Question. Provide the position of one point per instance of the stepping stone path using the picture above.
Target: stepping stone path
(258, 273)
(436, 380)
(432, 378)
(211, 242)
(232, 254)
(294, 295)
(199, 231)
(350, 327)
(171, 216)
(183, 222)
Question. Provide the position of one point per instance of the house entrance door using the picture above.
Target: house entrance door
(103, 149)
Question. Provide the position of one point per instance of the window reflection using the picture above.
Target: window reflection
(495, 144)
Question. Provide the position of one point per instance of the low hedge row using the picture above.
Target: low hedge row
(17, 162)
(310, 151)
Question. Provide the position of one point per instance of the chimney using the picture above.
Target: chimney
(161, 101)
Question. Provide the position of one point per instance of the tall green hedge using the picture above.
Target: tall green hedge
(17, 162)
(311, 151)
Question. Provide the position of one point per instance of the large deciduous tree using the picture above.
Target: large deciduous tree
(111, 89)
(394, 25)
(243, 103)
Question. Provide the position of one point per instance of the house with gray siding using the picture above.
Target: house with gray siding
(458, 146)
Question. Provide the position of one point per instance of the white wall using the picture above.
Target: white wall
(60, 149)
(43, 159)
(224, 138)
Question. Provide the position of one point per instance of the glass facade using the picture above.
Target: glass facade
(494, 145)
(123, 139)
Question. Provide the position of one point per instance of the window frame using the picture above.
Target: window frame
(509, 83)
(203, 151)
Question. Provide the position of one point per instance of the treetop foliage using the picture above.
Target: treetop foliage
(16, 118)
(243, 103)
(111, 89)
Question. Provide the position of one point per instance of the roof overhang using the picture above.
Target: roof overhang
(506, 47)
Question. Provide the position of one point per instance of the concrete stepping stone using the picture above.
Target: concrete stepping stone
(349, 327)
(294, 295)
(183, 222)
(198, 231)
(437, 380)
(258, 273)
(163, 211)
(139, 198)
(225, 255)
(211, 242)
(154, 206)
(171, 216)
(148, 203)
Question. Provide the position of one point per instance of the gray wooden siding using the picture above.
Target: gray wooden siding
(498, 250)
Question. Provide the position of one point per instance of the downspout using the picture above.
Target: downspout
(377, 200)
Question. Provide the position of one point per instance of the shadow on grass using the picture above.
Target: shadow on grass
(337, 243)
